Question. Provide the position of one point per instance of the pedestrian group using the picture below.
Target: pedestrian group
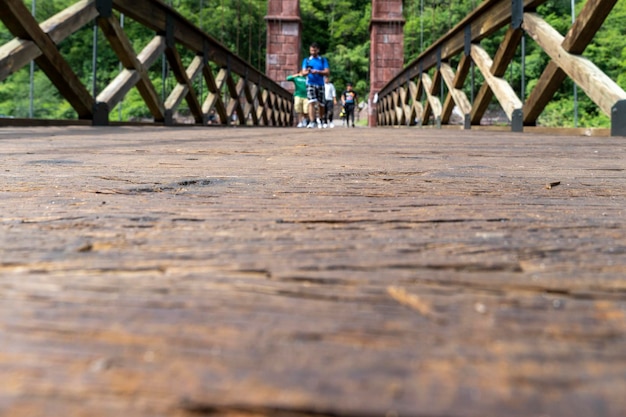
(315, 96)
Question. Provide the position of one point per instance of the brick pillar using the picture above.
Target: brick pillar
(283, 40)
(386, 47)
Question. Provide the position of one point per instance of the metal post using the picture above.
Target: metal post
(122, 100)
(31, 96)
(201, 78)
(575, 86)
(164, 67)
(94, 59)
(523, 77)
(421, 26)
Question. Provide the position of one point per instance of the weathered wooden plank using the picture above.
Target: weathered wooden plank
(19, 21)
(344, 272)
(597, 85)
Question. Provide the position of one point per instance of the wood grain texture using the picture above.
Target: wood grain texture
(303, 272)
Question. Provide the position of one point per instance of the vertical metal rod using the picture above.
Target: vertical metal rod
(94, 59)
(206, 59)
(164, 67)
(421, 26)
(523, 86)
(575, 86)
(122, 100)
(473, 82)
(31, 94)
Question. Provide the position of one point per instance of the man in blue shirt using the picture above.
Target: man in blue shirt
(315, 67)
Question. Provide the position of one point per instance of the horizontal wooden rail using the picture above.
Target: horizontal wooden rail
(238, 93)
(399, 102)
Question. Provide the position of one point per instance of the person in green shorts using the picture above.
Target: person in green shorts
(301, 103)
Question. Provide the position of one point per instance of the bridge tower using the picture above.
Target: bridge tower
(386, 47)
(284, 28)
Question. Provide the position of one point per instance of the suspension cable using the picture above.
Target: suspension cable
(573, 6)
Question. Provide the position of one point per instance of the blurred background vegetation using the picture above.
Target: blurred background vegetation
(341, 27)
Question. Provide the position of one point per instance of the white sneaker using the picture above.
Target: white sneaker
(324, 125)
(311, 125)
(301, 124)
(331, 125)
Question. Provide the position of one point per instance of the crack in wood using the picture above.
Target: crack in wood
(592, 293)
(207, 409)
(391, 221)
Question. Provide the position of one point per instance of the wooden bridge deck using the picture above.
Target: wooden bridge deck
(288, 272)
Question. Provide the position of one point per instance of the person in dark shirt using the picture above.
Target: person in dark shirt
(349, 99)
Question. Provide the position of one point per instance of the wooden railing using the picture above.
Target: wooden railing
(413, 96)
(238, 93)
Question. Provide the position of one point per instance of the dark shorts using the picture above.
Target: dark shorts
(315, 93)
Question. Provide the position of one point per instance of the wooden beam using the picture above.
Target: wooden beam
(503, 57)
(416, 105)
(263, 107)
(456, 95)
(214, 98)
(404, 102)
(507, 98)
(181, 90)
(481, 103)
(547, 85)
(128, 78)
(588, 22)
(397, 110)
(234, 104)
(433, 104)
(252, 97)
(597, 85)
(19, 52)
(123, 48)
(180, 73)
(22, 24)
(420, 94)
